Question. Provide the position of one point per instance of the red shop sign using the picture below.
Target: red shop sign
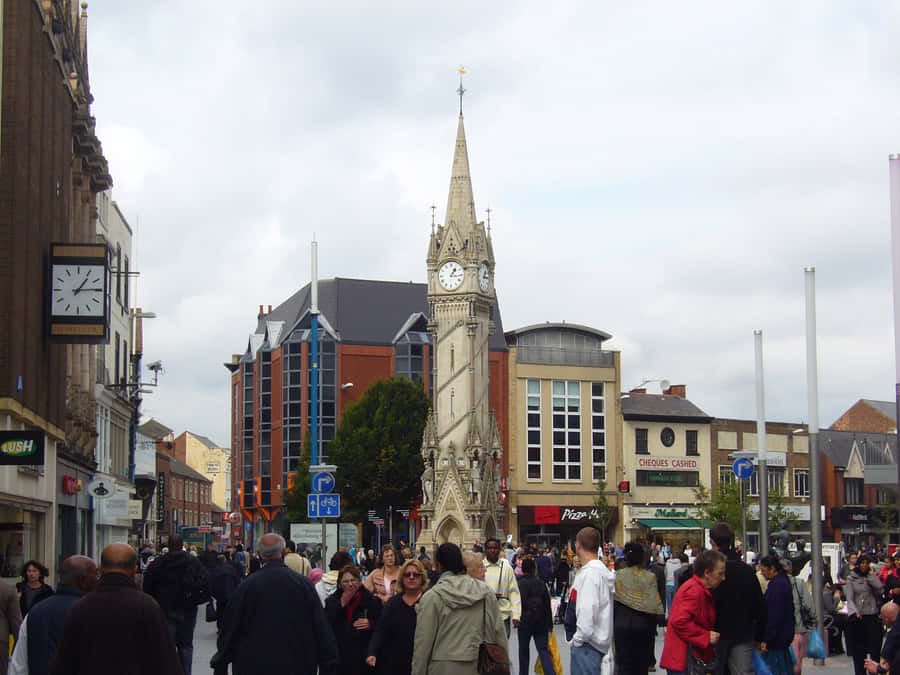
(70, 485)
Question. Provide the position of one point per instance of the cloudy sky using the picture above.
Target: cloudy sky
(659, 171)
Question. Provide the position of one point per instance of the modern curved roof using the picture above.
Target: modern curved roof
(602, 334)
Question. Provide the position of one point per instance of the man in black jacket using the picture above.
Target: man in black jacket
(275, 623)
(166, 579)
(740, 608)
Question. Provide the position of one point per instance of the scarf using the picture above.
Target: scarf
(636, 588)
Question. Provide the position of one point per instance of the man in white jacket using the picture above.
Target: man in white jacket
(589, 613)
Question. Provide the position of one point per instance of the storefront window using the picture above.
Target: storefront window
(21, 539)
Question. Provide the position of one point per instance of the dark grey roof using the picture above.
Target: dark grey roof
(658, 407)
(362, 311)
(179, 468)
(208, 442)
(886, 408)
(837, 445)
(153, 429)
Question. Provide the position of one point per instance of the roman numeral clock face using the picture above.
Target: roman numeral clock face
(77, 290)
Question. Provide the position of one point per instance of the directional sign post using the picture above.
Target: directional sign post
(323, 483)
(323, 506)
(743, 468)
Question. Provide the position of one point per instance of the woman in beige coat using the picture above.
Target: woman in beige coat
(455, 617)
(382, 581)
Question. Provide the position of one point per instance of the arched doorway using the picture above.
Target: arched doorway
(450, 531)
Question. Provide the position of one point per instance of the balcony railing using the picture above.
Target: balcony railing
(564, 356)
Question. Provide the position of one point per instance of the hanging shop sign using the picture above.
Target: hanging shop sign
(22, 447)
(78, 293)
(102, 487)
(161, 498)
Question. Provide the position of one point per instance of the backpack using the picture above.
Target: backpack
(533, 611)
(195, 584)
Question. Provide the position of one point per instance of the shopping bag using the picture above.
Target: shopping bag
(816, 649)
(760, 667)
(553, 648)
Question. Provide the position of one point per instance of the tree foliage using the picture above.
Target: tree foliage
(604, 510)
(377, 447)
(724, 506)
(294, 497)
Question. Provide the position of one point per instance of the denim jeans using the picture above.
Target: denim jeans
(670, 595)
(181, 626)
(585, 660)
(540, 635)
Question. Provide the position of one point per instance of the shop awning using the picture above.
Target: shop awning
(670, 523)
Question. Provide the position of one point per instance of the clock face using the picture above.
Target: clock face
(667, 436)
(451, 275)
(484, 277)
(77, 290)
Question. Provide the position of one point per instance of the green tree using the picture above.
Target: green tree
(723, 506)
(778, 512)
(377, 447)
(294, 497)
(604, 510)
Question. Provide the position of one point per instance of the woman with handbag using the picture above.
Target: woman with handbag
(776, 648)
(638, 610)
(689, 648)
(863, 591)
(804, 616)
(459, 621)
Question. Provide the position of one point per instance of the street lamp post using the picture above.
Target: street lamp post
(761, 446)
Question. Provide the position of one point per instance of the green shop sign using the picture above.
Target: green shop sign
(22, 447)
(670, 513)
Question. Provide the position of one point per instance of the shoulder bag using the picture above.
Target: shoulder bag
(696, 666)
(492, 658)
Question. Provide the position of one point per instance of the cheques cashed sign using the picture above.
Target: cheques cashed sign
(560, 515)
(22, 447)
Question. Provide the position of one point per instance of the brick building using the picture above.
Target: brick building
(367, 330)
(868, 415)
(187, 500)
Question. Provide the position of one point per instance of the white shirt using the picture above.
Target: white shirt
(18, 664)
(593, 588)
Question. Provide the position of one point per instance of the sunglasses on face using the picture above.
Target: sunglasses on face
(411, 575)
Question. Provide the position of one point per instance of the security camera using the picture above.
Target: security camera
(155, 366)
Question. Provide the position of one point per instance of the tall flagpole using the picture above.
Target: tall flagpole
(894, 162)
(763, 480)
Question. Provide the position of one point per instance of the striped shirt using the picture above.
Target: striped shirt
(501, 577)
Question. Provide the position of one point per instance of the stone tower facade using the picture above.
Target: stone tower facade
(461, 444)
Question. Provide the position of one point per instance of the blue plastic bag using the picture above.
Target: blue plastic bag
(816, 649)
(760, 667)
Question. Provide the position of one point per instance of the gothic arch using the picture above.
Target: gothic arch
(450, 530)
(490, 529)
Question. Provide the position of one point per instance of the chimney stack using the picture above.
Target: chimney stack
(677, 390)
(261, 313)
(270, 310)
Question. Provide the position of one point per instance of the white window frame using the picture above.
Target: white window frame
(531, 398)
(801, 479)
(595, 465)
(568, 464)
(726, 474)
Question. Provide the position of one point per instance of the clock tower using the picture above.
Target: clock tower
(461, 443)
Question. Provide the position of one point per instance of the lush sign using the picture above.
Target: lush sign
(22, 447)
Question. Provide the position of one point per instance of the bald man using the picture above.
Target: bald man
(42, 627)
(116, 629)
(274, 622)
(474, 563)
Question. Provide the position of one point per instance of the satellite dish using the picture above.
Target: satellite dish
(664, 384)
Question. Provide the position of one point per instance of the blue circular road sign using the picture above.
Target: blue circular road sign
(743, 468)
(323, 483)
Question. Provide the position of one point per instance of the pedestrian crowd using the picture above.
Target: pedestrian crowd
(450, 612)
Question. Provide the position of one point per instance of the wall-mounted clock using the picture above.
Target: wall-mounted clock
(77, 293)
(484, 277)
(451, 275)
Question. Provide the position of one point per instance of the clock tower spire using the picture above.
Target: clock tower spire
(461, 444)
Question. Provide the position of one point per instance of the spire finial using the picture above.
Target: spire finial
(433, 208)
(461, 90)
(489, 220)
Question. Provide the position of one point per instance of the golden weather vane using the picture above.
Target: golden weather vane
(461, 90)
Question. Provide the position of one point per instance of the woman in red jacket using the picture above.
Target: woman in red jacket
(693, 615)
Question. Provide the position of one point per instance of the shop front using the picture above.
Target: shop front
(862, 527)
(112, 500)
(677, 525)
(557, 525)
(74, 512)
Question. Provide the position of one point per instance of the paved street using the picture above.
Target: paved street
(205, 647)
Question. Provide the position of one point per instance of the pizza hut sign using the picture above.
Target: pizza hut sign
(560, 515)
(574, 515)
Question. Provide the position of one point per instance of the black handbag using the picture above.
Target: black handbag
(492, 658)
(211, 614)
(694, 665)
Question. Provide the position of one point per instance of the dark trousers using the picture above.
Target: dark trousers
(633, 650)
(863, 639)
(541, 636)
(181, 626)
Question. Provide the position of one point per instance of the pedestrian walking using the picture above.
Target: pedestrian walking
(779, 634)
(223, 580)
(474, 563)
(41, 630)
(691, 630)
(32, 588)
(117, 628)
(804, 615)
(381, 581)
(637, 611)
(454, 618)
(10, 618)
(275, 622)
(738, 630)
(502, 579)
(391, 646)
(179, 582)
(589, 610)
(295, 561)
(863, 592)
(352, 612)
(536, 620)
(328, 583)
